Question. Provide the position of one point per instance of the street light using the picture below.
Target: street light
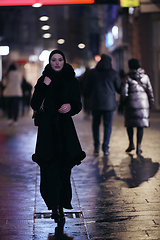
(60, 41)
(81, 45)
(44, 18)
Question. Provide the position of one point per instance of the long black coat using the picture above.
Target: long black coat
(137, 94)
(101, 86)
(57, 141)
(57, 148)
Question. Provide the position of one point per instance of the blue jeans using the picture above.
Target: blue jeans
(107, 124)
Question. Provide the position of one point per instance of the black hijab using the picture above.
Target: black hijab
(64, 74)
(57, 52)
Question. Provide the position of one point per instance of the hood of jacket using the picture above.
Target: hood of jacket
(137, 74)
(103, 65)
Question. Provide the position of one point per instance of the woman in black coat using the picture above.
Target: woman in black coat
(57, 148)
(137, 94)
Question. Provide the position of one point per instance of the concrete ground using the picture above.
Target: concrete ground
(115, 197)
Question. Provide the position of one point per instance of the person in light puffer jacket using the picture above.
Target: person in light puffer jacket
(137, 97)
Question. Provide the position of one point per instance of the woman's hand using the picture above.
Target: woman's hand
(47, 80)
(65, 108)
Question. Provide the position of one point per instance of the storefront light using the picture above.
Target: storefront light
(37, 5)
(44, 55)
(115, 32)
(109, 39)
(4, 50)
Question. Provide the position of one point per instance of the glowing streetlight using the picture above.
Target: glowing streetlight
(61, 41)
(44, 18)
(81, 45)
(45, 27)
(46, 35)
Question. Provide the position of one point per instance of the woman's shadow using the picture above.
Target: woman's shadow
(141, 170)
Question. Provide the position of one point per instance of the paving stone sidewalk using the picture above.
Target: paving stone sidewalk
(115, 197)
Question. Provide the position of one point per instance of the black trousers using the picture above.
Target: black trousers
(130, 132)
(55, 187)
(12, 107)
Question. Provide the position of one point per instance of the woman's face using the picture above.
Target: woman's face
(57, 62)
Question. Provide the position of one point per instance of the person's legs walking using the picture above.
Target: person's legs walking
(139, 140)
(9, 108)
(15, 108)
(107, 123)
(130, 133)
(96, 120)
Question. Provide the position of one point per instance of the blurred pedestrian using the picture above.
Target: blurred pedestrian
(137, 98)
(57, 148)
(12, 93)
(122, 75)
(102, 84)
(26, 99)
(86, 100)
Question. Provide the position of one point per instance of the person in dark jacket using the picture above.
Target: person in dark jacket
(137, 98)
(57, 149)
(101, 87)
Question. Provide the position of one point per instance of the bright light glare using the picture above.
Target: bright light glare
(131, 10)
(45, 27)
(44, 18)
(109, 39)
(4, 50)
(81, 45)
(61, 41)
(46, 35)
(44, 55)
(33, 58)
(37, 5)
(97, 58)
(78, 72)
(115, 32)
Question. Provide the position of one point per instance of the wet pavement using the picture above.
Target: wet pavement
(115, 197)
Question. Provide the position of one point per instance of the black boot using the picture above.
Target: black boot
(55, 214)
(138, 151)
(60, 224)
(130, 148)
